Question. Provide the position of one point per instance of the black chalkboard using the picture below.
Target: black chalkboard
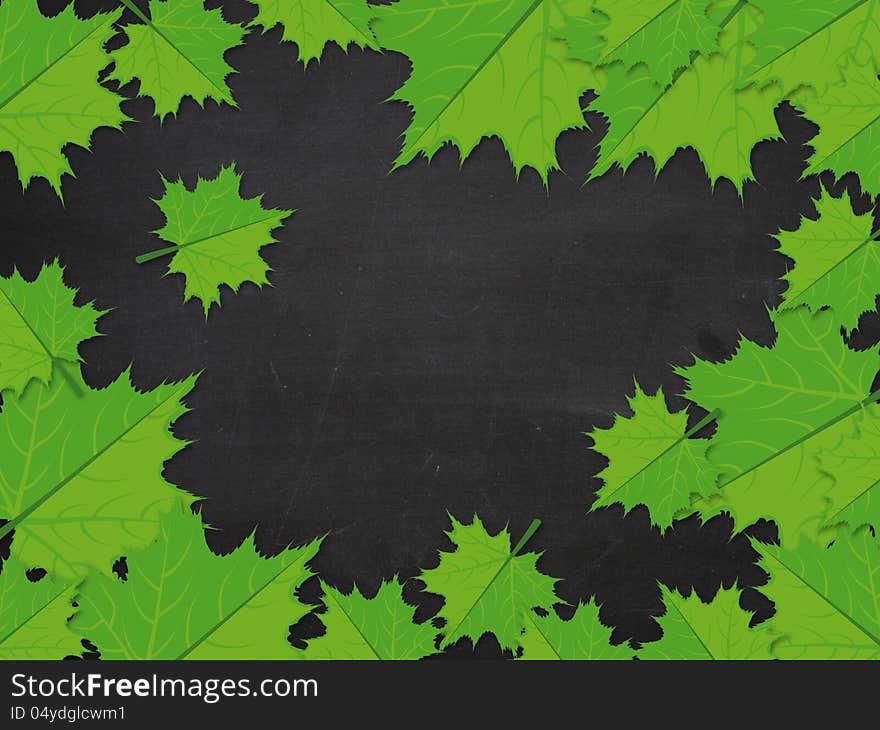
(437, 338)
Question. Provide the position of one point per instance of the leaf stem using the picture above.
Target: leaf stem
(136, 10)
(279, 216)
(736, 8)
(527, 535)
(703, 422)
(158, 253)
(61, 367)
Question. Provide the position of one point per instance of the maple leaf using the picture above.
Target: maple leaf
(182, 601)
(361, 628)
(177, 52)
(312, 24)
(849, 126)
(703, 108)
(694, 630)
(486, 586)
(837, 261)
(584, 35)
(790, 488)
(33, 617)
(49, 91)
(582, 637)
(39, 326)
(854, 463)
(825, 597)
(216, 235)
(483, 69)
(758, 384)
(663, 35)
(780, 408)
(803, 42)
(81, 478)
(652, 460)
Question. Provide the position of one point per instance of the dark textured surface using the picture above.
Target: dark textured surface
(435, 339)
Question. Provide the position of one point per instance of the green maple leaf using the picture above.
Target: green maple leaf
(652, 460)
(584, 35)
(312, 24)
(826, 597)
(790, 488)
(81, 476)
(853, 461)
(837, 261)
(582, 637)
(703, 108)
(849, 126)
(40, 325)
(693, 630)
(489, 68)
(370, 628)
(182, 601)
(33, 617)
(803, 42)
(486, 586)
(177, 52)
(49, 91)
(663, 35)
(216, 235)
(780, 408)
(766, 403)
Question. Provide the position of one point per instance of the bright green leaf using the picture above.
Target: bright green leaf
(182, 601)
(853, 461)
(652, 461)
(836, 261)
(361, 628)
(582, 637)
(849, 125)
(33, 617)
(790, 488)
(49, 91)
(583, 34)
(780, 408)
(81, 475)
(703, 108)
(826, 597)
(773, 397)
(486, 587)
(40, 325)
(661, 34)
(693, 630)
(492, 68)
(216, 235)
(178, 52)
(312, 24)
(804, 42)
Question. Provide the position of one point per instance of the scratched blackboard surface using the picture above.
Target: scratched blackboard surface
(437, 338)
